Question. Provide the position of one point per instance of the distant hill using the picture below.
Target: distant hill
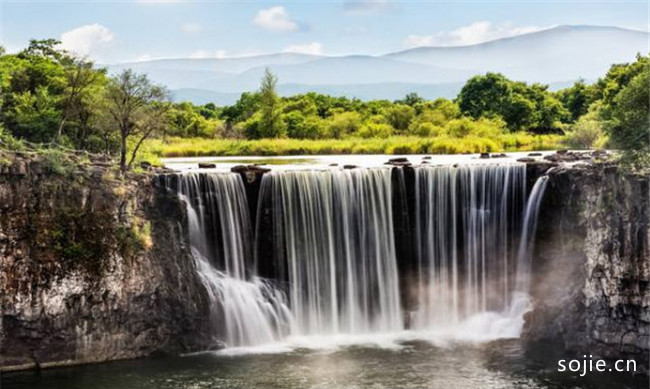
(556, 56)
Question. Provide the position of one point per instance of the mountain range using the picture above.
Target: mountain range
(556, 56)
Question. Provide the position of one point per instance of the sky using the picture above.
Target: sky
(137, 30)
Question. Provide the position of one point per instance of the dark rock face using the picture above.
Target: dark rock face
(592, 264)
(94, 268)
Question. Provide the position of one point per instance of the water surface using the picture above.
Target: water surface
(414, 364)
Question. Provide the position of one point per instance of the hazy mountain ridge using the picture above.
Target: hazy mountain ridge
(554, 55)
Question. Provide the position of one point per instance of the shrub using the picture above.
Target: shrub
(426, 129)
(343, 124)
(375, 130)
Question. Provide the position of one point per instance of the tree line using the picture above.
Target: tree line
(49, 96)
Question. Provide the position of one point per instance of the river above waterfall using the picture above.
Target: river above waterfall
(410, 364)
(301, 162)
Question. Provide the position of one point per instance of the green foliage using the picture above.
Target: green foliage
(270, 122)
(57, 162)
(399, 116)
(375, 130)
(587, 132)
(577, 99)
(629, 114)
(300, 127)
(344, 124)
(48, 96)
(521, 106)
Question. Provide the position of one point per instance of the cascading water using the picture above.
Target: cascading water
(332, 266)
(526, 244)
(337, 238)
(253, 312)
(466, 218)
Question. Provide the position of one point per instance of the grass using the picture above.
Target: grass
(201, 147)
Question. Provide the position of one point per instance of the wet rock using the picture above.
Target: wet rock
(501, 155)
(484, 155)
(527, 160)
(207, 165)
(350, 166)
(534, 154)
(333, 164)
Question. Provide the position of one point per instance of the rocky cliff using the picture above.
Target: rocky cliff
(592, 264)
(93, 267)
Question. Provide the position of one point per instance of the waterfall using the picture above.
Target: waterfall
(250, 310)
(325, 260)
(466, 222)
(526, 244)
(338, 244)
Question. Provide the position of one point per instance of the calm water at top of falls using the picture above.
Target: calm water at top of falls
(413, 364)
(303, 162)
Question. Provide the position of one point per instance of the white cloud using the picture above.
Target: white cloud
(89, 40)
(275, 19)
(477, 32)
(313, 48)
(364, 5)
(191, 28)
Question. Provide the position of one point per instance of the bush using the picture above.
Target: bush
(344, 124)
(426, 129)
(586, 133)
(301, 127)
(375, 130)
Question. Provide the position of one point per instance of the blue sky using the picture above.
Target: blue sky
(122, 31)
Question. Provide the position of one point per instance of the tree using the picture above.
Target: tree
(271, 124)
(411, 99)
(399, 116)
(629, 124)
(137, 108)
(523, 107)
(80, 78)
(576, 99)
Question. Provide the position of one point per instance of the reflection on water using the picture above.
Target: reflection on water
(415, 364)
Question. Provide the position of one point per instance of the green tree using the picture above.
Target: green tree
(629, 117)
(576, 99)
(271, 124)
(411, 99)
(137, 108)
(344, 124)
(523, 107)
(399, 116)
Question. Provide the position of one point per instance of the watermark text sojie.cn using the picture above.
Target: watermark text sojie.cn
(590, 365)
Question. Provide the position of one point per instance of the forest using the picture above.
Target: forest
(51, 99)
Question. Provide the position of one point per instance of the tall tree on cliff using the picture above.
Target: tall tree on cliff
(137, 108)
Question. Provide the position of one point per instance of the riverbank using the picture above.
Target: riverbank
(202, 147)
